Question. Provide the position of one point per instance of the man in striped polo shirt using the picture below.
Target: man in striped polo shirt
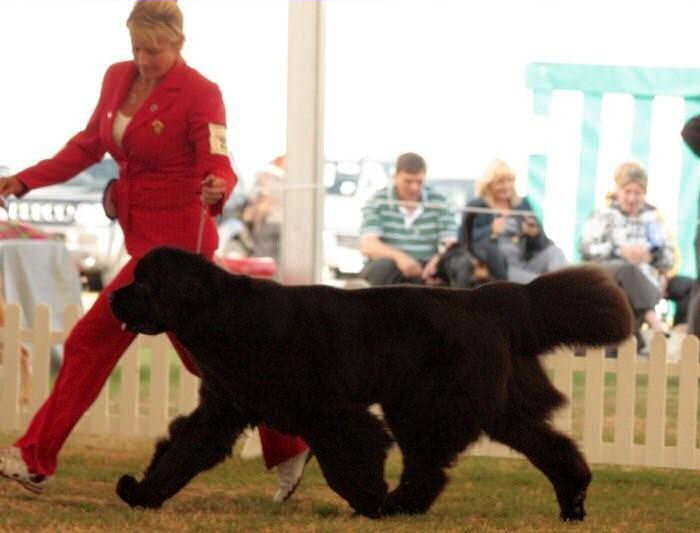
(404, 228)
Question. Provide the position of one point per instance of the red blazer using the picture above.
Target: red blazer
(172, 143)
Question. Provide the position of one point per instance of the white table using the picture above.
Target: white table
(39, 271)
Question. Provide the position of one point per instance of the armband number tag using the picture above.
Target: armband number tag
(217, 139)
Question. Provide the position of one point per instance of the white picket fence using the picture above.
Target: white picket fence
(127, 414)
(622, 449)
(130, 414)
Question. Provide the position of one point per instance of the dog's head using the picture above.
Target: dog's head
(168, 287)
(463, 268)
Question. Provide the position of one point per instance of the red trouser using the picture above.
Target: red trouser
(90, 353)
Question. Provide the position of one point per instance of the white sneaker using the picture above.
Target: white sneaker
(12, 467)
(289, 475)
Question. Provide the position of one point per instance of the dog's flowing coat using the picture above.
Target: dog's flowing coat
(444, 364)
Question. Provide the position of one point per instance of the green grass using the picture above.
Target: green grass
(484, 495)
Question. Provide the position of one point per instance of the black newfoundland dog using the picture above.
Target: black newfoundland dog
(444, 364)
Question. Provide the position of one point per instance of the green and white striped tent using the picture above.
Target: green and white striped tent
(587, 119)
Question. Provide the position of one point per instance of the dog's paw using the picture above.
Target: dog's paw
(367, 508)
(374, 515)
(392, 505)
(127, 489)
(400, 502)
(575, 511)
(131, 491)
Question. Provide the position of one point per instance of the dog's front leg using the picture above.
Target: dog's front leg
(163, 445)
(196, 443)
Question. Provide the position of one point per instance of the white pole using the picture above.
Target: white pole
(301, 236)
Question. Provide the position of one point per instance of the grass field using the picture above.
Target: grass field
(484, 495)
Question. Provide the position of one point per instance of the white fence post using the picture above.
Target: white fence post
(656, 402)
(70, 317)
(130, 391)
(625, 395)
(593, 410)
(188, 391)
(9, 407)
(686, 453)
(563, 364)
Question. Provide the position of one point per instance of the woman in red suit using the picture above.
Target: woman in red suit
(165, 125)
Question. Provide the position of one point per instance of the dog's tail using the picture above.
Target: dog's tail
(579, 306)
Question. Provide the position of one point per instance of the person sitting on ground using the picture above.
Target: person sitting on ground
(509, 239)
(404, 228)
(628, 237)
(263, 211)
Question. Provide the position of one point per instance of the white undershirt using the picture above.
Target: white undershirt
(409, 217)
(121, 121)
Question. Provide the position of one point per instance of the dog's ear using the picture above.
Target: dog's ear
(456, 266)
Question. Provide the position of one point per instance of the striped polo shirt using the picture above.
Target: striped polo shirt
(418, 234)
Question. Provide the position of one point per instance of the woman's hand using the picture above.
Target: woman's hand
(498, 225)
(635, 254)
(213, 189)
(10, 185)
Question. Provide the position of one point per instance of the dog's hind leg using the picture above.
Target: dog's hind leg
(351, 446)
(430, 440)
(554, 454)
(196, 443)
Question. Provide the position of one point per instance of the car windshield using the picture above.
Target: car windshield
(341, 177)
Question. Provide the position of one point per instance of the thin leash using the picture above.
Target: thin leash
(443, 205)
(200, 233)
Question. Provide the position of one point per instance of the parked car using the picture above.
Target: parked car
(73, 211)
(349, 184)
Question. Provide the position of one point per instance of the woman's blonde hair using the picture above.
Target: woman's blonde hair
(156, 20)
(630, 171)
(497, 169)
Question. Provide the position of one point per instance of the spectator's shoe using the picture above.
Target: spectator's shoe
(289, 475)
(12, 467)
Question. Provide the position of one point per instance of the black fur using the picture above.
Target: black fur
(444, 364)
